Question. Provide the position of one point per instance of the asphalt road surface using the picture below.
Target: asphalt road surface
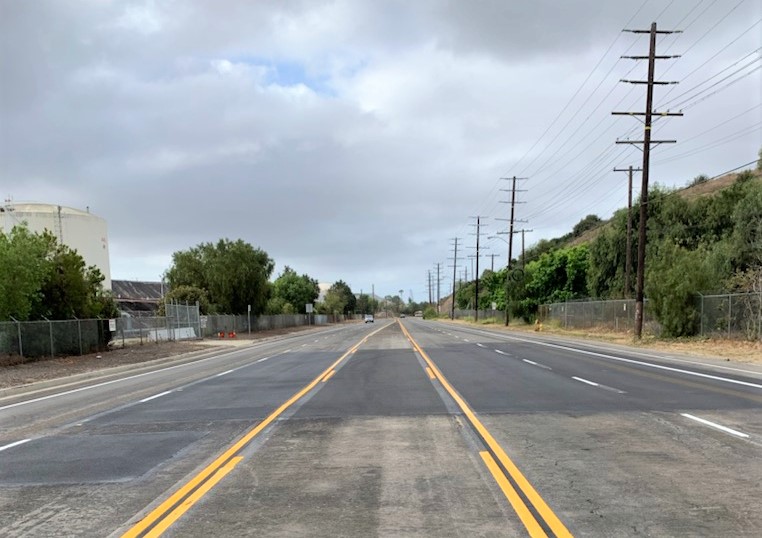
(397, 428)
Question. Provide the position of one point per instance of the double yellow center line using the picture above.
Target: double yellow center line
(163, 516)
(508, 469)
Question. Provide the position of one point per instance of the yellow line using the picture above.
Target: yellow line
(175, 514)
(431, 374)
(537, 501)
(513, 497)
(329, 376)
(160, 510)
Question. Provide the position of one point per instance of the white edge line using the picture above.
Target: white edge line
(144, 400)
(585, 381)
(97, 385)
(641, 363)
(263, 359)
(226, 373)
(17, 443)
(715, 425)
(529, 362)
(639, 353)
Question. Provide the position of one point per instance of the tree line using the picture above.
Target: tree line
(710, 243)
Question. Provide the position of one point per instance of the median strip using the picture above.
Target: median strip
(537, 502)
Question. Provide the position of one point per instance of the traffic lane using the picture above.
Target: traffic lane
(648, 384)
(602, 471)
(636, 474)
(707, 366)
(382, 378)
(354, 461)
(494, 383)
(246, 395)
(148, 455)
(34, 413)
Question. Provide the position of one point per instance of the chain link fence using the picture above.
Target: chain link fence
(48, 338)
(615, 315)
(34, 340)
(730, 315)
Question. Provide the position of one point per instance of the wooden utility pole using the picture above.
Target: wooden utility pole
(454, 268)
(511, 222)
(476, 274)
(646, 142)
(628, 254)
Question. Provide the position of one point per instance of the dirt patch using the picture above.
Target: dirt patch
(12, 373)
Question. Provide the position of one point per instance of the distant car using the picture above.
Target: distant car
(418, 314)
(368, 318)
(402, 315)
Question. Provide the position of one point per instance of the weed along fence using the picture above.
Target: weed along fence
(724, 316)
(615, 315)
(53, 338)
(732, 315)
(37, 340)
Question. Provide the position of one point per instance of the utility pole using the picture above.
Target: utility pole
(454, 268)
(628, 254)
(646, 142)
(511, 222)
(492, 264)
(476, 275)
(438, 281)
(430, 298)
(523, 257)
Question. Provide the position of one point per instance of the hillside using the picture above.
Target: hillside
(691, 192)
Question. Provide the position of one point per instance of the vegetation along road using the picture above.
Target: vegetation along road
(398, 428)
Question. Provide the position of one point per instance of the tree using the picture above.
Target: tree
(23, 266)
(366, 304)
(186, 294)
(234, 274)
(41, 279)
(70, 289)
(294, 290)
(339, 299)
(588, 223)
(673, 279)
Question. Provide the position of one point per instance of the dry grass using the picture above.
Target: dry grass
(731, 350)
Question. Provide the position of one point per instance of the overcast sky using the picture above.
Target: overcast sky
(353, 140)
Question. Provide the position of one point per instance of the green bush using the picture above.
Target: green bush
(430, 313)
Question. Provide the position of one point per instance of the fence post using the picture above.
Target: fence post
(50, 326)
(566, 314)
(701, 329)
(79, 334)
(730, 312)
(18, 326)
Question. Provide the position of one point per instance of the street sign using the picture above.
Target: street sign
(309, 306)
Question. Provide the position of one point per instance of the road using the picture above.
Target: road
(396, 428)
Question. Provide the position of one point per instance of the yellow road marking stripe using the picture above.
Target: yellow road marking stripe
(537, 501)
(431, 374)
(160, 510)
(175, 514)
(535, 531)
(329, 375)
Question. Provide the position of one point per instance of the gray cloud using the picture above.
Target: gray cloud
(350, 140)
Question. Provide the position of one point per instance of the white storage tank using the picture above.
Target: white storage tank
(79, 230)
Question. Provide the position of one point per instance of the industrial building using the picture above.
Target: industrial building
(79, 230)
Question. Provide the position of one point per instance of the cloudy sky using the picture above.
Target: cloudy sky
(354, 140)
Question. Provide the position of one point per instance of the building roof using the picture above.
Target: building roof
(43, 208)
